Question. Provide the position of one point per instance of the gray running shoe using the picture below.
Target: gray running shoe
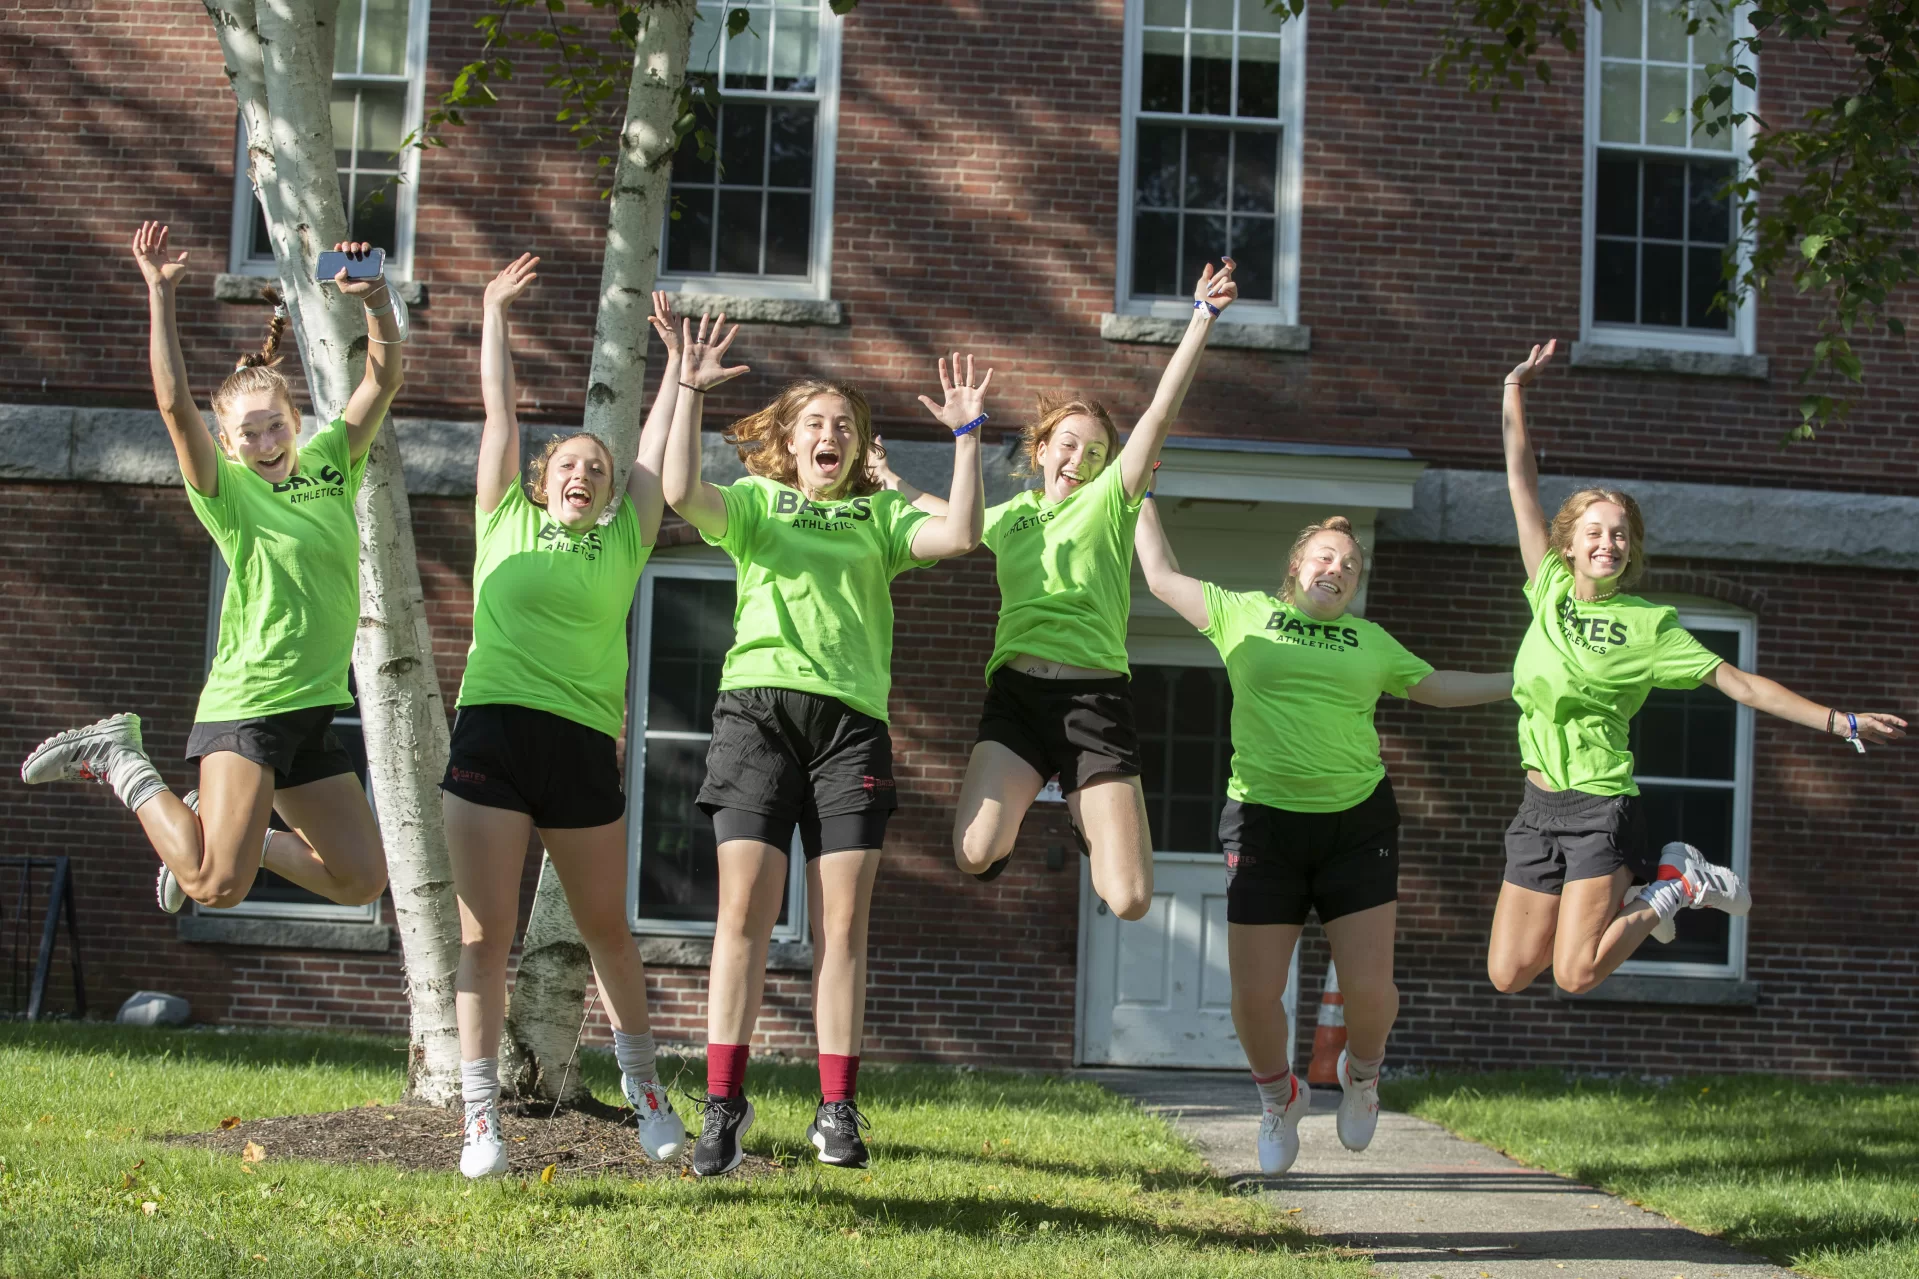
(82, 754)
(166, 889)
(1707, 885)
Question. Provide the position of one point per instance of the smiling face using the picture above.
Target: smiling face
(1325, 576)
(261, 430)
(1073, 455)
(1600, 547)
(579, 482)
(825, 445)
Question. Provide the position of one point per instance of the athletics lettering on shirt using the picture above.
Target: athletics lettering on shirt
(1312, 634)
(554, 538)
(329, 482)
(1036, 519)
(831, 518)
(1584, 630)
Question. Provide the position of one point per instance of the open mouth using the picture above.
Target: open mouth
(280, 461)
(827, 459)
(1605, 561)
(578, 497)
(1069, 479)
(1327, 586)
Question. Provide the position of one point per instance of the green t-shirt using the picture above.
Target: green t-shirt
(1584, 670)
(1303, 698)
(549, 612)
(292, 601)
(815, 605)
(1065, 575)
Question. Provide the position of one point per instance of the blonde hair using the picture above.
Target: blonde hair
(762, 437)
(255, 372)
(1560, 535)
(1054, 410)
(1331, 524)
(536, 471)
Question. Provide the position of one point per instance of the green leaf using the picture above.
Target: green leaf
(1810, 245)
(844, 7)
(630, 24)
(737, 21)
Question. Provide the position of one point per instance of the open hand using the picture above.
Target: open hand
(1529, 368)
(515, 278)
(666, 324)
(150, 252)
(703, 358)
(1217, 287)
(356, 288)
(1877, 728)
(965, 397)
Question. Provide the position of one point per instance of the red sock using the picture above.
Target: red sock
(725, 1069)
(839, 1077)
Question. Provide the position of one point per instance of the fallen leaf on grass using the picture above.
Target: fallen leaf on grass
(137, 1167)
(1291, 1211)
(149, 1207)
(259, 1256)
(231, 1121)
(252, 1153)
(546, 1174)
(126, 1181)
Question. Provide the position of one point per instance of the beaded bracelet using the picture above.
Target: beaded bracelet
(971, 426)
(1208, 306)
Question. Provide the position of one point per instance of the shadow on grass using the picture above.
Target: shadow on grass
(1147, 1179)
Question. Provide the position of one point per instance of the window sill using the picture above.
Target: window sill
(810, 312)
(697, 952)
(285, 934)
(1653, 359)
(1155, 330)
(1644, 988)
(231, 287)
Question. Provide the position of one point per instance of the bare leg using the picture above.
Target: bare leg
(1596, 934)
(1522, 940)
(840, 890)
(1111, 811)
(1260, 957)
(588, 860)
(1362, 945)
(215, 855)
(487, 847)
(999, 788)
(337, 851)
(752, 884)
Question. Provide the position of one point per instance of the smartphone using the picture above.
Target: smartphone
(356, 268)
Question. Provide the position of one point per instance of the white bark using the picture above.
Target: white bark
(279, 58)
(547, 1007)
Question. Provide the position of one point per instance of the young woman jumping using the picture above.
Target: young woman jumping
(800, 729)
(283, 517)
(1310, 822)
(1059, 698)
(1577, 848)
(541, 705)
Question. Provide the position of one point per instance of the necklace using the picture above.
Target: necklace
(1597, 599)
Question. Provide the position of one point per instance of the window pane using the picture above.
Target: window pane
(260, 240)
(688, 166)
(692, 629)
(1156, 253)
(1666, 94)
(791, 161)
(1619, 102)
(1255, 16)
(1616, 202)
(1156, 173)
(1196, 697)
(689, 237)
(1165, 13)
(1702, 818)
(709, 31)
(1253, 247)
(1212, 67)
(742, 145)
(1711, 213)
(1207, 159)
(1704, 280)
(1214, 15)
(344, 101)
(1661, 286)
(789, 232)
(679, 865)
(739, 231)
(1205, 241)
(382, 123)
(376, 218)
(1721, 115)
(346, 38)
(796, 52)
(384, 52)
(1620, 29)
(1665, 200)
(1665, 32)
(1259, 78)
(1162, 64)
(1255, 172)
(1615, 282)
(746, 54)
(1183, 810)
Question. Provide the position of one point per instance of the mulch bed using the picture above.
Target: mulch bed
(592, 1139)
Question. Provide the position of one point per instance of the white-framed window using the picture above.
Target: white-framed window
(757, 218)
(1185, 716)
(1213, 93)
(271, 896)
(1693, 763)
(682, 626)
(1656, 226)
(379, 97)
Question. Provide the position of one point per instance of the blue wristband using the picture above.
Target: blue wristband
(971, 426)
(1210, 308)
(1143, 496)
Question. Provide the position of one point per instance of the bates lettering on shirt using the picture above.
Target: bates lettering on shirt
(1314, 632)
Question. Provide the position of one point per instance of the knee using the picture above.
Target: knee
(1383, 993)
(1130, 904)
(1576, 979)
(1508, 979)
(219, 892)
(977, 846)
(364, 887)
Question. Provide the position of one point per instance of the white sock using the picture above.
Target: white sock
(134, 778)
(480, 1080)
(636, 1055)
(1363, 1068)
(1276, 1093)
(1667, 897)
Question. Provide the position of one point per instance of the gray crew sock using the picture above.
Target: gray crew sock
(1363, 1068)
(1667, 897)
(636, 1055)
(480, 1080)
(133, 778)
(1276, 1092)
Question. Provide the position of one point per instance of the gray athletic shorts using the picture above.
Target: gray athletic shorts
(1564, 835)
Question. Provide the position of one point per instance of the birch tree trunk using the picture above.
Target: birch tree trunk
(279, 58)
(545, 1014)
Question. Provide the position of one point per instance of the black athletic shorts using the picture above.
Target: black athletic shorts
(299, 746)
(1569, 834)
(565, 775)
(1281, 864)
(782, 759)
(1077, 728)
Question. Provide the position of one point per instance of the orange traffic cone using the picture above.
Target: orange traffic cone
(1329, 1036)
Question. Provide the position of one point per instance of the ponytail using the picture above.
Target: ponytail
(255, 371)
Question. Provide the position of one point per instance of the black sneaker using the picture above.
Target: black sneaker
(835, 1133)
(724, 1121)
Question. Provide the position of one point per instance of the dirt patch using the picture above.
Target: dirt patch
(592, 1139)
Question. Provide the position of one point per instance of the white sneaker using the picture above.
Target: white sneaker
(1279, 1130)
(166, 889)
(1664, 932)
(484, 1154)
(1358, 1108)
(1705, 884)
(82, 754)
(662, 1133)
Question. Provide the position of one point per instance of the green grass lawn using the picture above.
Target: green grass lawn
(974, 1174)
(1823, 1177)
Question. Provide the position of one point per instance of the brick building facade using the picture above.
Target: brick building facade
(1412, 243)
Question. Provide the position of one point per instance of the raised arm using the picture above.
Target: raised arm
(958, 530)
(702, 367)
(1213, 294)
(883, 473)
(1184, 595)
(500, 437)
(1774, 698)
(199, 456)
(380, 381)
(1461, 688)
(643, 481)
(1522, 472)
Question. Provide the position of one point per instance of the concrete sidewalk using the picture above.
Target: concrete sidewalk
(1427, 1204)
